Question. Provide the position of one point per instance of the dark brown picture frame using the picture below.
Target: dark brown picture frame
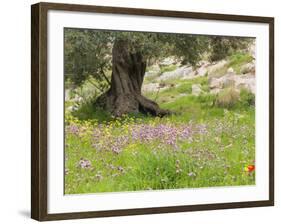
(39, 106)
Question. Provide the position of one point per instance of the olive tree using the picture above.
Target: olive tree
(119, 60)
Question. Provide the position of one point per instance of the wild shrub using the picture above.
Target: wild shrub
(221, 47)
(205, 88)
(227, 98)
(89, 110)
(247, 98)
(206, 100)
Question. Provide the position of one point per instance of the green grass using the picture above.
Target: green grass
(89, 111)
(215, 158)
(167, 68)
(239, 59)
(235, 61)
(176, 88)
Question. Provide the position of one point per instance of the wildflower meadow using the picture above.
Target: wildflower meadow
(181, 121)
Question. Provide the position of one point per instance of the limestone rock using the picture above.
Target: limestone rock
(230, 70)
(248, 68)
(196, 89)
(180, 72)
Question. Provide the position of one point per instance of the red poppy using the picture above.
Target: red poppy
(250, 168)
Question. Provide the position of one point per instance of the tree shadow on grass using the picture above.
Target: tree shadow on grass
(90, 111)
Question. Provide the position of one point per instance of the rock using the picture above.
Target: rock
(228, 82)
(196, 89)
(230, 70)
(248, 68)
(203, 69)
(215, 91)
(153, 70)
(182, 94)
(153, 87)
(70, 108)
(148, 73)
(67, 95)
(215, 83)
(252, 50)
(150, 87)
(238, 82)
(246, 81)
(189, 75)
(215, 67)
(181, 72)
(168, 61)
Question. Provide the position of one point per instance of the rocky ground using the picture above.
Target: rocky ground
(220, 75)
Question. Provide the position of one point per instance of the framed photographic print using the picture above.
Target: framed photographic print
(139, 111)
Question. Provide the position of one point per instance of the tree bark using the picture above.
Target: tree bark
(124, 95)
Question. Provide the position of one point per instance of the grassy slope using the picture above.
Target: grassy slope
(215, 158)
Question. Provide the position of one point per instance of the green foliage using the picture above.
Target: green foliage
(87, 110)
(207, 100)
(247, 98)
(238, 59)
(87, 53)
(167, 68)
(215, 157)
(177, 88)
(227, 98)
(221, 47)
(189, 47)
(185, 88)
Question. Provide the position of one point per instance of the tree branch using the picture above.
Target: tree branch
(95, 85)
(104, 76)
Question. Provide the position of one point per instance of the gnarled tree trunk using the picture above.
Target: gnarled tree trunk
(124, 95)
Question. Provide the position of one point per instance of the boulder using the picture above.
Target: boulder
(215, 91)
(196, 89)
(215, 67)
(215, 83)
(168, 61)
(230, 70)
(150, 87)
(190, 75)
(203, 69)
(228, 82)
(238, 82)
(180, 72)
(154, 87)
(155, 68)
(248, 68)
(246, 81)
(252, 50)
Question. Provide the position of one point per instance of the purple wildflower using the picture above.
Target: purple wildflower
(84, 163)
(73, 129)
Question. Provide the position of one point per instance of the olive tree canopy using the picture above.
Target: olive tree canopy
(118, 60)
